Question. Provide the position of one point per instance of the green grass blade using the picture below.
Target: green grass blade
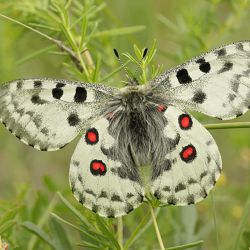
(75, 212)
(186, 246)
(137, 231)
(38, 232)
(106, 231)
(5, 226)
(60, 237)
(90, 236)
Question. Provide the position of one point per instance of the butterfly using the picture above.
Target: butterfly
(138, 139)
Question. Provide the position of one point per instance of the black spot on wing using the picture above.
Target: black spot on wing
(35, 99)
(90, 192)
(19, 84)
(60, 85)
(204, 66)
(103, 194)
(171, 200)
(203, 174)
(239, 46)
(73, 119)
(221, 52)
(37, 84)
(183, 76)
(129, 208)
(226, 67)
(180, 187)
(80, 94)
(190, 199)
(116, 197)
(199, 97)
(57, 93)
(45, 131)
(166, 188)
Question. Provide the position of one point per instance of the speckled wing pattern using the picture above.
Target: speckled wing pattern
(215, 83)
(99, 182)
(47, 114)
(191, 167)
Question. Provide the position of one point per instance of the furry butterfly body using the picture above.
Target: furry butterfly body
(131, 130)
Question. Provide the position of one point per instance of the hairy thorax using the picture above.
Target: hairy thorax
(137, 124)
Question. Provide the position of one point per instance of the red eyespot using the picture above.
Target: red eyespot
(185, 121)
(97, 167)
(188, 153)
(161, 108)
(91, 136)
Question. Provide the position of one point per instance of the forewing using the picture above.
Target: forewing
(191, 167)
(47, 114)
(98, 180)
(216, 83)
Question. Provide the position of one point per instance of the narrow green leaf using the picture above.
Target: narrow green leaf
(138, 52)
(186, 246)
(38, 232)
(75, 212)
(83, 32)
(97, 69)
(59, 236)
(105, 78)
(120, 31)
(87, 245)
(9, 215)
(89, 235)
(5, 226)
(69, 37)
(106, 231)
(137, 231)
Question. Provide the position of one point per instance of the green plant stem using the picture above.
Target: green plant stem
(59, 43)
(120, 231)
(228, 125)
(215, 221)
(157, 231)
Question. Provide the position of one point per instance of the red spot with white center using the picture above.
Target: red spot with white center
(97, 167)
(91, 136)
(161, 108)
(188, 153)
(185, 121)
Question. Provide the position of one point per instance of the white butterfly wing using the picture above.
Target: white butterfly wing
(193, 165)
(47, 114)
(100, 182)
(216, 83)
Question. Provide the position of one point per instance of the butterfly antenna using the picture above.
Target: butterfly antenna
(123, 66)
(140, 62)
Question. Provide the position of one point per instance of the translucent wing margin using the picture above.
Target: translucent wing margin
(191, 168)
(216, 83)
(47, 114)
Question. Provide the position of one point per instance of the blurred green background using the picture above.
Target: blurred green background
(182, 29)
